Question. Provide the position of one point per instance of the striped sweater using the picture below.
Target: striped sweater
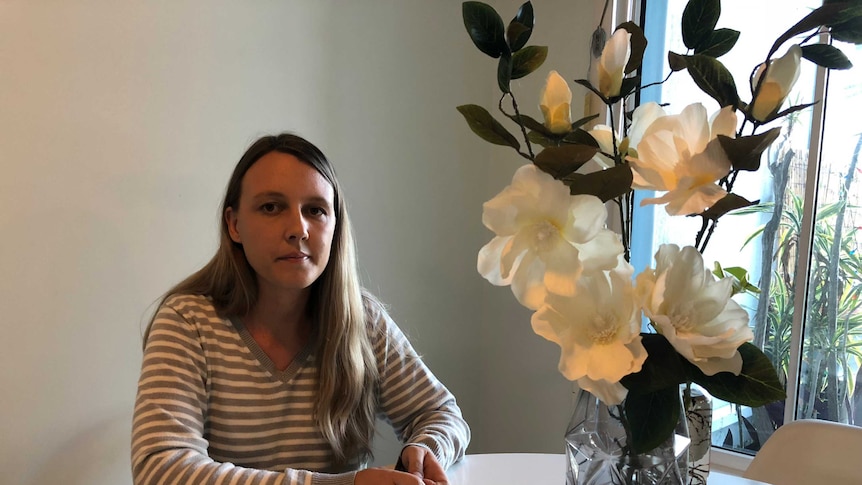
(212, 408)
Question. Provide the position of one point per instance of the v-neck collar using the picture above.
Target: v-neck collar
(286, 375)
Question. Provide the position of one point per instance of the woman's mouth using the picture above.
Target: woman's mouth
(293, 257)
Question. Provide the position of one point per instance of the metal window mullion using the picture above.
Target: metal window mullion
(806, 236)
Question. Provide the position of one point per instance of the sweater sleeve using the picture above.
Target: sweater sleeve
(168, 444)
(417, 405)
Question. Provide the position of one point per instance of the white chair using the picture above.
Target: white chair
(809, 452)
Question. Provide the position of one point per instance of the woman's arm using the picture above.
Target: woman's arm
(421, 410)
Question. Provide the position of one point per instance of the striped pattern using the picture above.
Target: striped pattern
(213, 409)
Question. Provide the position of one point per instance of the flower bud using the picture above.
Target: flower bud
(613, 62)
(779, 80)
(556, 104)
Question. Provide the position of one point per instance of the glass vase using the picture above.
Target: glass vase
(698, 413)
(595, 450)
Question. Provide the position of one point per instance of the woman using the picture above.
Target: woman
(270, 364)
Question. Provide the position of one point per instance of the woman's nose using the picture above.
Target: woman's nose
(296, 227)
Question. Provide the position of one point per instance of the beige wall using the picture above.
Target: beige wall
(119, 124)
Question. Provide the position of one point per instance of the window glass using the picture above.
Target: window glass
(830, 357)
(833, 325)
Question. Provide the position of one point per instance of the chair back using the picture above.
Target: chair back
(810, 451)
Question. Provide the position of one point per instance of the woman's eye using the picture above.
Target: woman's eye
(269, 208)
(317, 211)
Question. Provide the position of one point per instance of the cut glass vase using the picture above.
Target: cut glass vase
(595, 443)
(698, 411)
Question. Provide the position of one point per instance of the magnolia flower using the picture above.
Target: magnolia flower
(613, 62)
(538, 224)
(598, 331)
(556, 104)
(680, 154)
(642, 117)
(779, 80)
(603, 136)
(693, 310)
(601, 253)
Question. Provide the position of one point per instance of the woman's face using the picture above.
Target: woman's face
(285, 221)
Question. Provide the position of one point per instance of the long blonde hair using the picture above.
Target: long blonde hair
(348, 378)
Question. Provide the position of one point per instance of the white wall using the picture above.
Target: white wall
(119, 124)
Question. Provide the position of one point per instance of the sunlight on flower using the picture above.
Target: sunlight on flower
(613, 62)
(598, 331)
(642, 118)
(680, 154)
(602, 252)
(782, 75)
(693, 310)
(538, 223)
(556, 104)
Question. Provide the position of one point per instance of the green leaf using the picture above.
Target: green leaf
(755, 386)
(740, 278)
(580, 136)
(532, 124)
(521, 27)
(727, 203)
(638, 45)
(826, 56)
(789, 110)
(663, 368)
(528, 60)
(745, 152)
(737, 272)
(514, 32)
(485, 27)
(849, 28)
(605, 184)
(719, 43)
(652, 417)
(713, 78)
(562, 160)
(504, 72)
(541, 139)
(676, 61)
(484, 125)
(823, 15)
(698, 21)
(588, 85)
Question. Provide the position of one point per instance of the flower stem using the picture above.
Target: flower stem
(623, 200)
(521, 124)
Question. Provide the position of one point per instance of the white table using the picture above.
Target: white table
(535, 469)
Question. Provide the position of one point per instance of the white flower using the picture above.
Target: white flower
(680, 154)
(538, 223)
(598, 331)
(642, 118)
(556, 104)
(782, 75)
(613, 62)
(602, 252)
(693, 310)
(602, 135)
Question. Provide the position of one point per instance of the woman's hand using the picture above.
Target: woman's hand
(419, 461)
(386, 476)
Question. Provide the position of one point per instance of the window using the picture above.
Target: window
(806, 260)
